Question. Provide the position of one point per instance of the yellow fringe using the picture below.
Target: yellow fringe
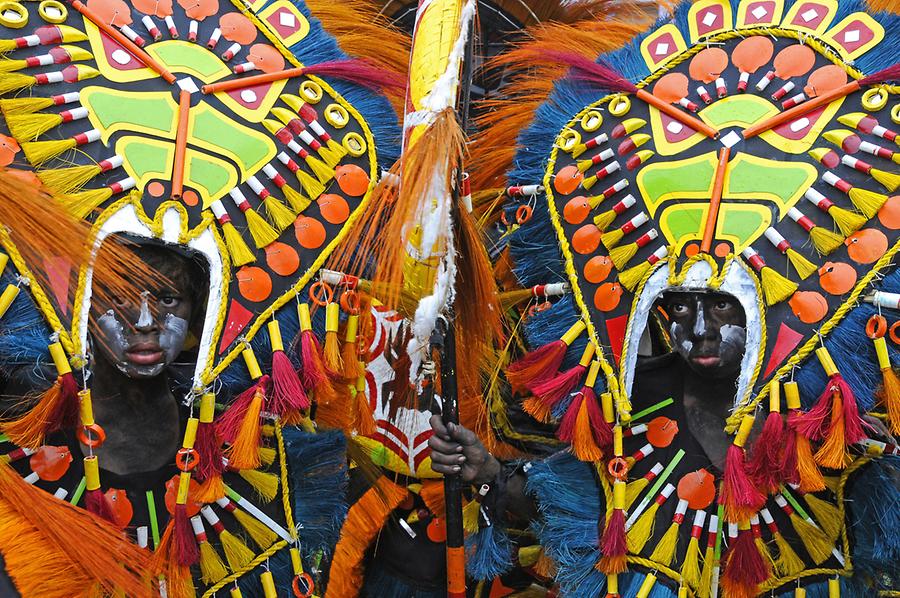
(888, 180)
(612, 238)
(26, 105)
(38, 152)
(633, 276)
(787, 563)
(664, 551)
(709, 561)
(310, 184)
(824, 240)
(322, 171)
(84, 202)
(848, 222)
(690, 568)
(867, 202)
(814, 539)
(240, 253)
(622, 255)
(295, 198)
(31, 126)
(265, 484)
(263, 234)
(279, 215)
(66, 180)
(257, 530)
(803, 266)
(776, 288)
(642, 529)
(634, 489)
(212, 569)
(827, 515)
(236, 552)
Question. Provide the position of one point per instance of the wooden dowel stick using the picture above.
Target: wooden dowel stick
(184, 109)
(243, 82)
(801, 109)
(685, 119)
(715, 200)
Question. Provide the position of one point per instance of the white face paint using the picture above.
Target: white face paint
(139, 355)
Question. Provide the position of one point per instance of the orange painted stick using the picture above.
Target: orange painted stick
(184, 109)
(685, 119)
(254, 80)
(801, 109)
(715, 200)
(123, 41)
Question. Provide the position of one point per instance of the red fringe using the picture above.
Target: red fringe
(536, 366)
(816, 423)
(891, 73)
(601, 75)
(566, 430)
(745, 567)
(613, 546)
(187, 552)
(228, 424)
(552, 390)
(287, 390)
(740, 497)
(766, 461)
(603, 432)
(314, 370)
(209, 450)
(361, 72)
(788, 465)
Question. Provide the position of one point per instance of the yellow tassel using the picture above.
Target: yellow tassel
(776, 288)
(322, 171)
(811, 479)
(583, 165)
(848, 222)
(665, 549)
(603, 220)
(588, 183)
(280, 215)
(623, 254)
(824, 240)
(212, 569)
(38, 152)
(66, 180)
(470, 516)
(888, 180)
(24, 105)
(634, 489)
(332, 152)
(8, 45)
(266, 455)
(263, 234)
(244, 451)
(690, 568)
(529, 555)
(787, 563)
(295, 198)
(612, 238)
(814, 539)
(706, 575)
(583, 445)
(32, 126)
(642, 529)
(867, 202)
(265, 484)
(8, 66)
(576, 151)
(825, 514)
(310, 184)
(803, 266)
(236, 552)
(240, 253)
(764, 551)
(15, 81)
(84, 202)
(257, 530)
(633, 276)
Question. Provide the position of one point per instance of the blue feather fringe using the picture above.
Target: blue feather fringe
(317, 467)
(282, 573)
(488, 553)
(874, 518)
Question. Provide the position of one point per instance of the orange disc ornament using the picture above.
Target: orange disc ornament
(309, 231)
(282, 259)
(607, 297)
(193, 507)
(51, 463)
(598, 268)
(120, 507)
(809, 306)
(586, 239)
(352, 179)
(576, 210)
(866, 246)
(661, 431)
(254, 283)
(334, 208)
(837, 278)
(698, 488)
(567, 179)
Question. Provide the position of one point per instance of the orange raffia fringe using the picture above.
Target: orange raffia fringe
(364, 520)
(432, 494)
(53, 549)
(354, 24)
(179, 583)
(493, 149)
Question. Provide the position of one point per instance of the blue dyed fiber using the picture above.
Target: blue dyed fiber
(280, 566)
(488, 553)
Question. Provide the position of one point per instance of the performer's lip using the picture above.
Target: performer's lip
(706, 360)
(144, 353)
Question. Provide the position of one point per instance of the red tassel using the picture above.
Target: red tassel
(602, 430)
(745, 567)
(613, 545)
(766, 460)
(552, 390)
(739, 495)
(361, 72)
(209, 451)
(566, 430)
(540, 364)
(287, 390)
(891, 73)
(57, 409)
(228, 424)
(186, 550)
(788, 466)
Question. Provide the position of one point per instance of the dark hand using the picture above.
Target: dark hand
(458, 451)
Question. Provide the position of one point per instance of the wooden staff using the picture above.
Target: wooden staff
(715, 200)
(184, 109)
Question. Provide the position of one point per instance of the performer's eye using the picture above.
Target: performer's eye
(723, 306)
(678, 309)
(169, 301)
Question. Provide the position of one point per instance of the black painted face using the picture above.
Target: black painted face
(143, 334)
(708, 331)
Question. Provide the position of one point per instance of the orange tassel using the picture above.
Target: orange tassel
(890, 387)
(244, 450)
(365, 418)
(811, 479)
(833, 452)
(353, 368)
(332, 351)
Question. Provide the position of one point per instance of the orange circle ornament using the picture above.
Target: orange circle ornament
(193, 507)
(586, 239)
(698, 488)
(809, 306)
(837, 278)
(120, 507)
(437, 530)
(661, 431)
(889, 214)
(352, 179)
(309, 231)
(51, 463)
(334, 208)
(576, 210)
(607, 297)
(254, 283)
(597, 269)
(567, 179)
(282, 259)
(866, 246)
